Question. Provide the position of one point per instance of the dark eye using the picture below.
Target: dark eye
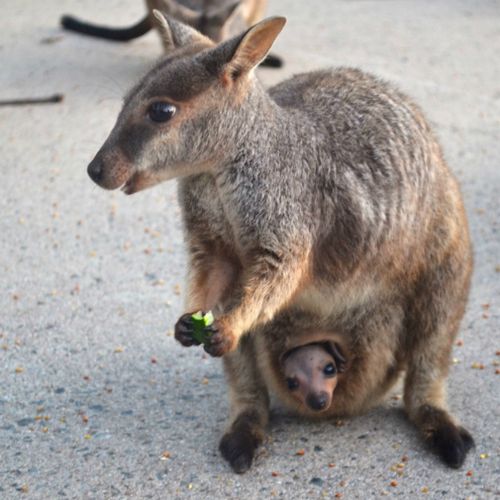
(292, 383)
(161, 111)
(330, 369)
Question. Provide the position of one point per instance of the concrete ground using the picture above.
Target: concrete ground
(97, 400)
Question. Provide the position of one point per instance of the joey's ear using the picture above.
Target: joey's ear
(176, 34)
(334, 349)
(241, 54)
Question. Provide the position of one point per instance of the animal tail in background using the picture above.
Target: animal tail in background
(217, 19)
(116, 34)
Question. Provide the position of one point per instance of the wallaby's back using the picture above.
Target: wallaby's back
(383, 185)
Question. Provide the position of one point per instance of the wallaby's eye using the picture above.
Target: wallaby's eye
(329, 370)
(292, 383)
(161, 111)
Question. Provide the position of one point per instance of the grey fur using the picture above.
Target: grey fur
(326, 197)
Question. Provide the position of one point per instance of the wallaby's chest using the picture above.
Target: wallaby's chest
(204, 211)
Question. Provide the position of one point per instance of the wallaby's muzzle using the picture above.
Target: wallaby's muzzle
(110, 170)
(95, 170)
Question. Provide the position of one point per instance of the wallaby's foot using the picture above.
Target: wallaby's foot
(221, 341)
(184, 330)
(239, 444)
(451, 442)
(272, 61)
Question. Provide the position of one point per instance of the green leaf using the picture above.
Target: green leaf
(208, 318)
(197, 316)
(200, 322)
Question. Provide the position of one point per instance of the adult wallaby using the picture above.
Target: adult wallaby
(327, 194)
(217, 19)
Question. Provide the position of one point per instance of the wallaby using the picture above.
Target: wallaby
(326, 194)
(217, 19)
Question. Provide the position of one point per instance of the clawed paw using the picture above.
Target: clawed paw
(184, 330)
(238, 448)
(452, 444)
(220, 342)
(217, 339)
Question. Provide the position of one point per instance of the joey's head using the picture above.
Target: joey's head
(218, 22)
(310, 372)
(188, 114)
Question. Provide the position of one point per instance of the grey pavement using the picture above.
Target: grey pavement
(97, 400)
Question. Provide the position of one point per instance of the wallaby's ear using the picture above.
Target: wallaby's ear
(253, 46)
(176, 34)
(164, 29)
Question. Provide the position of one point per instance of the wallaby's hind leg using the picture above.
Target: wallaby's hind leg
(241, 440)
(249, 407)
(451, 441)
(433, 321)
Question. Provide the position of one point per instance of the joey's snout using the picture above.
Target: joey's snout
(310, 373)
(110, 169)
(318, 401)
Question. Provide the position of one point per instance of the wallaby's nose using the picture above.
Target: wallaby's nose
(317, 402)
(95, 170)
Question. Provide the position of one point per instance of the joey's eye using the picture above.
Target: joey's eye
(330, 369)
(161, 111)
(292, 383)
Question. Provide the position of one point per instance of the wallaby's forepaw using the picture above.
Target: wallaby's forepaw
(452, 443)
(221, 340)
(184, 330)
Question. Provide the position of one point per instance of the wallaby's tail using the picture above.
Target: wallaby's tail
(272, 61)
(116, 34)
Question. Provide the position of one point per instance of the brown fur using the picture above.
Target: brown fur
(323, 205)
(376, 359)
(372, 365)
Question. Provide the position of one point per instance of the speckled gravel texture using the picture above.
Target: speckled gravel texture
(97, 400)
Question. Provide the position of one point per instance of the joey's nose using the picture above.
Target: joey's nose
(317, 402)
(95, 170)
